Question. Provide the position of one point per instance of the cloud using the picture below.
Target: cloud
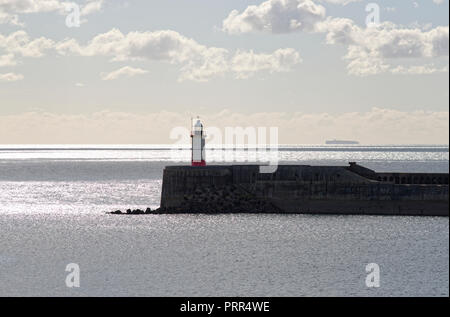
(341, 2)
(92, 7)
(11, 9)
(275, 16)
(419, 70)
(6, 18)
(198, 62)
(7, 60)
(10, 77)
(377, 126)
(19, 43)
(370, 50)
(438, 1)
(388, 40)
(164, 45)
(30, 6)
(380, 49)
(126, 71)
(246, 63)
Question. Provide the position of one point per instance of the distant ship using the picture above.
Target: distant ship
(341, 142)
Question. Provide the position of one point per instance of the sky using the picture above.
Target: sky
(132, 71)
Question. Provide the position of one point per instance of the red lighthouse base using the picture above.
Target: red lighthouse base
(201, 163)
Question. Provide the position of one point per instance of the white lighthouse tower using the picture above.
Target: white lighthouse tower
(198, 144)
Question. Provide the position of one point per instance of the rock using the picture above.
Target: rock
(117, 212)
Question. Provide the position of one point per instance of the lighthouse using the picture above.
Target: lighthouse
(198, 144)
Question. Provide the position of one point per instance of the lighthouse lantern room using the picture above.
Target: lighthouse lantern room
(198, 144)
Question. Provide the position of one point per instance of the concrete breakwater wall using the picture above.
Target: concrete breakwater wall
(351, 189)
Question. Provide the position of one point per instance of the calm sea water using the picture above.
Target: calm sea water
(52, 212)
